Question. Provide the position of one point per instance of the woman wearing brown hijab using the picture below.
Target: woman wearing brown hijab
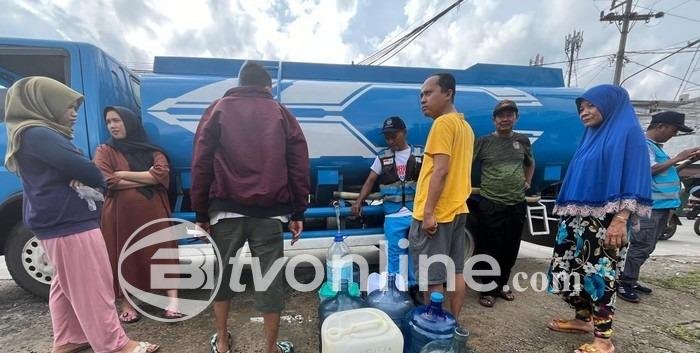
(137, 176)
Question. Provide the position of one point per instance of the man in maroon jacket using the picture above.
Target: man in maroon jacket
(250, 173)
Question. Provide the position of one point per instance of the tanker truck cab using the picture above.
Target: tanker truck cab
(89, 71)
(339, 107)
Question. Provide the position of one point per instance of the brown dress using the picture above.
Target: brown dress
(127, 210)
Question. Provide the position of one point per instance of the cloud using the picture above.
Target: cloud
(340, 31)
(510, 32)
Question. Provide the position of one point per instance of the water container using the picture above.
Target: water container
(392, 301)
(457, 345)
(360, 330)
(326, 291)
(339, 265)
(342, 301)
(428, 323)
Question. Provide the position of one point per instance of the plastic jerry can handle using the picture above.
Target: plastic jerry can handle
(361, 329)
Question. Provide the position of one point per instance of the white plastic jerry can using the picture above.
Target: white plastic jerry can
(366, 330)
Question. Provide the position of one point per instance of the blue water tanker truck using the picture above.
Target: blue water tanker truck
(339, 107)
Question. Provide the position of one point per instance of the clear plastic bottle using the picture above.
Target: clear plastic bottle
(338, 263)
(458, 344)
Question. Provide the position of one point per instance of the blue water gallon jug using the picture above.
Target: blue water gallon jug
(343, 300)
(428, 323)
(326, 290)
(458, 344)
(392, 301)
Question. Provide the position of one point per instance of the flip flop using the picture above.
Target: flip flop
(145, 347)
(589, 348)
(487, 300)
(171, 314)
(215, 338)
(559, 325)
(507, 295)
(125, 318)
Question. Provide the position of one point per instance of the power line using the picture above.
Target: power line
(660, 60)
(396, 46)
(579, 59)
(659, 52)
(602, 68)
(686, 72)
(659, 71)
(672, 46)
(673, 15)
(675, 7)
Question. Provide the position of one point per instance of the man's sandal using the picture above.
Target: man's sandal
(487, 300)
(285, 347)
(507, 295)
(560, 325)
(215, 338)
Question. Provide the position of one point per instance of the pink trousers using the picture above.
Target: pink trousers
(81, 300)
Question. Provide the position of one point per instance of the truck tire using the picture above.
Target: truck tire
(696, 226)
(669, 232)
(671, 227)
(470, 244)
(27, 262)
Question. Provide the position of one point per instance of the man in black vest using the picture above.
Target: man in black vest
(397, 169)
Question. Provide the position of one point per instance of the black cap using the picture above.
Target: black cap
(393, 124)
(671, 118)
(504, 105)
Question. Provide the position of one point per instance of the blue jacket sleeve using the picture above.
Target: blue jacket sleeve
(55, 150)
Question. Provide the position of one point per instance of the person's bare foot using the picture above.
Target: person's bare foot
(571, 326)
(139, 347)
(599, 345)
(222, 346)
(71, 348)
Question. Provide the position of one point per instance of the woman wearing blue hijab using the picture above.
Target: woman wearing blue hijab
(607, 186)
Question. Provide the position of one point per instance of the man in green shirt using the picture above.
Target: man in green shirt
(507, 166)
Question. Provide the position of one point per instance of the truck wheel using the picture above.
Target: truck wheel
(696, 226)
(27, 262)
(669, 232)
(470, 244)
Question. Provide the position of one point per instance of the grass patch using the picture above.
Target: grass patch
(688, 283)
(687, 332)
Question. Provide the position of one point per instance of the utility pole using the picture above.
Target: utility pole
(625, 18)
(572, 45)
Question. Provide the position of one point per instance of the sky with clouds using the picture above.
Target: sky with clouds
(345, 31)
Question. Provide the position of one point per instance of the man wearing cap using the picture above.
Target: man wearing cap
(397, 169)
(507, 166)
(665, 188)
(250, 173)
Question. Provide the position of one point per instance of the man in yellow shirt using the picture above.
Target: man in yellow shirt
(444, 184)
